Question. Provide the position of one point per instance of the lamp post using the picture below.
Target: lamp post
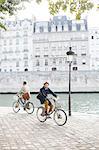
(70, 55)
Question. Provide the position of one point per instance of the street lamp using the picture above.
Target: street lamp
(70, 55)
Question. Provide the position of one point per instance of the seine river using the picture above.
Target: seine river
(83, 103)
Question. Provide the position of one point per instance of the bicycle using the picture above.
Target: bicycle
(59, 115)
(28, 106)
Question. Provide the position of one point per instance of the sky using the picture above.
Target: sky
(41, 13)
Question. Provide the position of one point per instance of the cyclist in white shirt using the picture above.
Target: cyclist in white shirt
(24, 93)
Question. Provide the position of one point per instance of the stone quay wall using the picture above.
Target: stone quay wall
(81, 81)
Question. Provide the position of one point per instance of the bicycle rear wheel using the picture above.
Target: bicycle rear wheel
(40, 114)
(60, 117)
(16, 106)
(29, 107)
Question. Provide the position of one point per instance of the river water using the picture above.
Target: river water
(83, 103)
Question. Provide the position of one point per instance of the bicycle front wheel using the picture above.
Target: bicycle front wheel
(16, 107)
(40, 114)
(29, 107)
(60, 117)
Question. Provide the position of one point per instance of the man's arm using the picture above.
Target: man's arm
(51, 92)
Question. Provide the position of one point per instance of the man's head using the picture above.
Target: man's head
(24, 82)
(46, 84)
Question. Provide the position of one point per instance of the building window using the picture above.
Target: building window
(75, 68)
(45, 55)
(17, 50)
(56, 28)
(10, 42)
(17, 41)
(83, 62)
(37, 56)
(37, 48)
(41, 29)
(65, 60)
(26, 56)
(10, 50)
(54, 61)
(59, 48)
(5, 50)
(0, 69)
(25, 63)
(83, 54)
(25, 41)
(25, 69)
(25, 50)
(10, 70)
(62, 28)
(25, 33)
(37, 63)
(17, 64)
(54, 69)
(53, 48)
(5, 42)
(46, 62)
(17, 34)
(60, 61)
(75, 62)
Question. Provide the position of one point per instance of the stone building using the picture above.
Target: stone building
(29, 45)
(94, 48)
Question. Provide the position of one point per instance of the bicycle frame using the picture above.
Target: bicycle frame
(55, 104)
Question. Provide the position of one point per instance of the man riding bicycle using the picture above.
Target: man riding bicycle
(42, 96)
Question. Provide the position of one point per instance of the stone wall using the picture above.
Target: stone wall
(81, 81)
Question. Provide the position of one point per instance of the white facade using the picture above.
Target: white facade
(49, 51)
(42, 46)
(94, 48)
(16, 46)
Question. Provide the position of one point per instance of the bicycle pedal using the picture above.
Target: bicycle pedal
(49, 117)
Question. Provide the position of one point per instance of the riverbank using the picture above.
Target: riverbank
(62, 92)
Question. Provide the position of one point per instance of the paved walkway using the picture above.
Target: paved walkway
(24, 132)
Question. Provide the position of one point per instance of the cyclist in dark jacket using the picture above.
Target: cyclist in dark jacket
(42, 96)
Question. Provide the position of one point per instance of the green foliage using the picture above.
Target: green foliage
(54, 7)
(77, 7)
(2, 26)
(8, 7)
(38, 1)
(2, 1)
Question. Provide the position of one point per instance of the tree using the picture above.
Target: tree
(8, 7)
(76, 7)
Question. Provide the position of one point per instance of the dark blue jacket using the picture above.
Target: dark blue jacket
(44, 93)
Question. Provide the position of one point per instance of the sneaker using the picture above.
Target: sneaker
(24, 108)
(17, 105)
(43, 114)
(48, 117)
(28, 107)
